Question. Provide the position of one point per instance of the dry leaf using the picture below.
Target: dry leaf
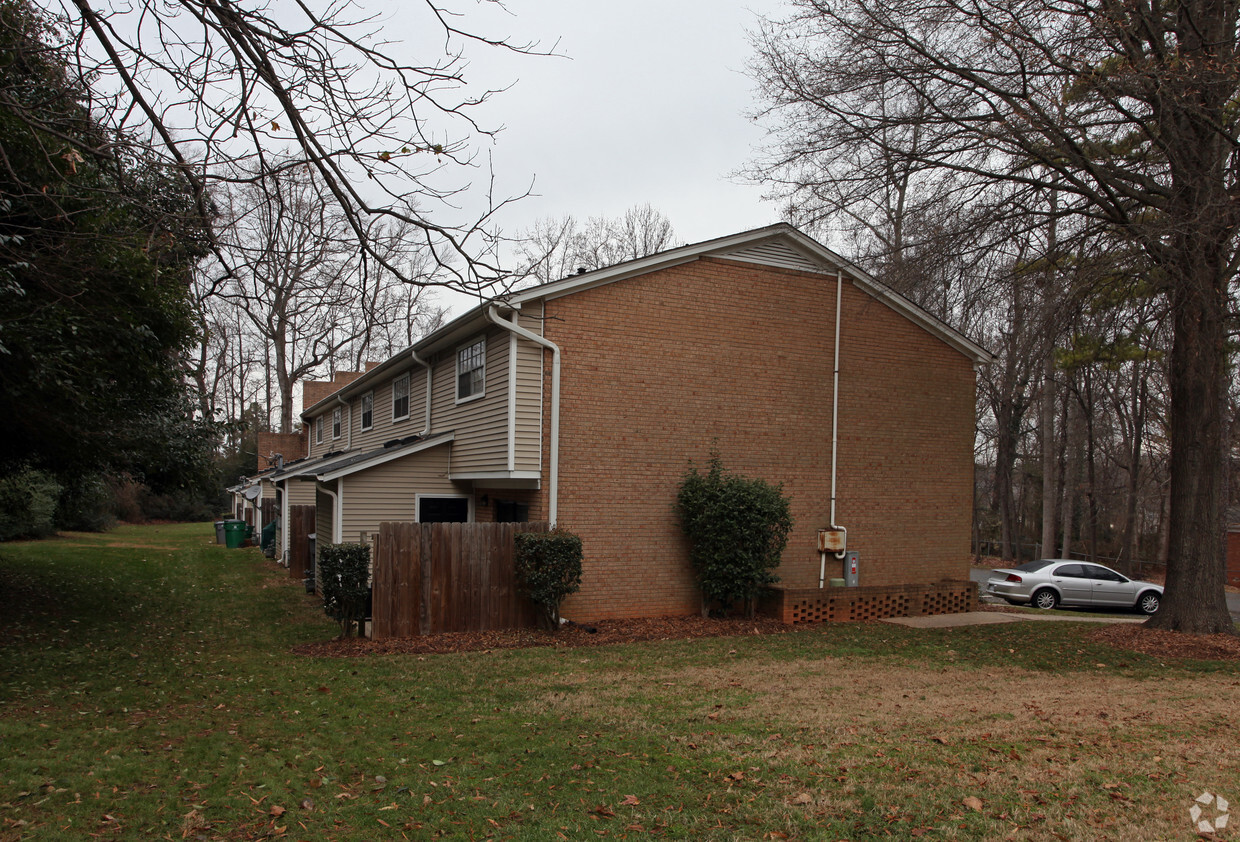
(630, 801)
(973, 803)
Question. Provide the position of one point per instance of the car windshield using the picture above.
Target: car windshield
(1031, 566)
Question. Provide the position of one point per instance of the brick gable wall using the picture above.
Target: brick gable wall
(660, 369)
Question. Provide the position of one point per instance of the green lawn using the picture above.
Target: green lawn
(148, 691)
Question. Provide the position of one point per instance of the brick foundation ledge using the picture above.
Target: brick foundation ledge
(852, 605)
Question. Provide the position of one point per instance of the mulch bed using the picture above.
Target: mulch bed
(1167, 644)
(1137, 638)
(602, 633)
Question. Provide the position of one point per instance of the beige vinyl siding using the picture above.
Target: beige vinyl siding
(330, 445)
(388, 492)
(529, 397)
(300, 491)
(385, 429)
(480, 425)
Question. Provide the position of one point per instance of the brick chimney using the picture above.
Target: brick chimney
(289, 445)
(313, 391)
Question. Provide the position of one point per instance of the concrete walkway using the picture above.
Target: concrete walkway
(986, 618)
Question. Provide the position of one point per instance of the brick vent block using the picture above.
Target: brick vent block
(855, 605)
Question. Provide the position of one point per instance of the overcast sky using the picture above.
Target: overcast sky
(647, 105)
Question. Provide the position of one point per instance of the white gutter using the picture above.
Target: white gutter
(414, 355)
(553, 492)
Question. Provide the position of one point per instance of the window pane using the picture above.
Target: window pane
(471, 370)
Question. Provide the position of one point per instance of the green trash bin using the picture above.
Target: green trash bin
(234, 533)
(269, 536)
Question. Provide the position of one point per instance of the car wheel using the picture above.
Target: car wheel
(1148, 602)
(1046, 599)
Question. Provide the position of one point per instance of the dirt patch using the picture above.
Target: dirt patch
(1168, 644)
(602, 633)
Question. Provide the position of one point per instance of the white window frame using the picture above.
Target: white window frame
(337, 425)
(318, 430)
(482, 389)
(408, 397)
(368, 399)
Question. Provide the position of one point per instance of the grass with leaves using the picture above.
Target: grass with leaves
(148, 690)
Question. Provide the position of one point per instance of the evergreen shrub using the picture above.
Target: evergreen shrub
(28, 500)
(737, 529)
(344, 582)
(549, 569)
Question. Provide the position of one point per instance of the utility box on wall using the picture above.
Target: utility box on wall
(850, 569)
(832, 540)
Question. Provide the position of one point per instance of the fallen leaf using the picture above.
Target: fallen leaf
(973, 803)
(276, 811)
(605, 811)
(630, 801)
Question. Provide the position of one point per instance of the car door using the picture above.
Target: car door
(1074, 588)
(1109, 588)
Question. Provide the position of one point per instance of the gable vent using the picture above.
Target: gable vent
(776, 254)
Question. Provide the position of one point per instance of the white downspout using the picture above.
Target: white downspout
(553, 490)
(835, 423)
(414, 355)
(835, 389)
(512, 398)
(284, 524)
(335, 513)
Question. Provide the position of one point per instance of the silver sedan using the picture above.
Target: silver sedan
(1051, 582)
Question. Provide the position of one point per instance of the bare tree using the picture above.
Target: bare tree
(222, 92)
(1126, 110)
(556, 248)
(294, 278)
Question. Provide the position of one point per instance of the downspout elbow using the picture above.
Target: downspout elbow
(553, 491)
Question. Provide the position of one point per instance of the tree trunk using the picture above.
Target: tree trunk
(1071, 472)
(1050, 459)
(1195, 599)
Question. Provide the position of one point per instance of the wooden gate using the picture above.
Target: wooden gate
(300, 525)
(438, 577)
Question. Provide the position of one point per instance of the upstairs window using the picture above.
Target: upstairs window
(368, 410)
(400, 398)
(471, 373)
(336, 423)
(318, 430)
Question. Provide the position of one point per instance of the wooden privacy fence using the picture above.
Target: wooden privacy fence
(300, 525)
(437, 577)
